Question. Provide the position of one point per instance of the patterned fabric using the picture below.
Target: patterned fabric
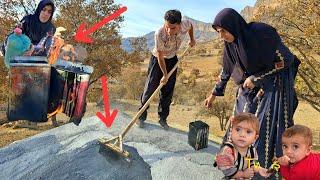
(275, 108)
(258, 53)
(50, 47)
(16, 45)
(170, 45)
(230, 161)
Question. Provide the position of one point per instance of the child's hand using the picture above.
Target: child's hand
(284, 160)
(263, 172)
(248, 173)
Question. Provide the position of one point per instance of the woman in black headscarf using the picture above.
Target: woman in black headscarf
(38, 25)
(264, 69)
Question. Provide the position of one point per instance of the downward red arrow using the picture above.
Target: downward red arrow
(82, 34)
(107, 120)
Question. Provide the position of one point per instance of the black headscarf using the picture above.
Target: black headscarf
(34, 28)
(254, 46)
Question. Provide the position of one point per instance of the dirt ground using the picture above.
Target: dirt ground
(9, 134)
(179, 118)
(180, 115)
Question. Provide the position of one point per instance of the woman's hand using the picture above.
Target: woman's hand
(248, 84)
(30, 51)
(209, 100)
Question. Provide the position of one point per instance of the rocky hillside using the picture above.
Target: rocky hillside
(248, 12)
(203, 32)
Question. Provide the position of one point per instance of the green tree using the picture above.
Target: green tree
(140, 49)
(105, 53)
(11, 12)
(297, 21)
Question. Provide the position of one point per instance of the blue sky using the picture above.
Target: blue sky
(144, 16)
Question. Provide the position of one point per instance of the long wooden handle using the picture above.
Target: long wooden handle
(144, 107)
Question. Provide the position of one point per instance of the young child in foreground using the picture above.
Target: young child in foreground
(232, 159)
(298, 162)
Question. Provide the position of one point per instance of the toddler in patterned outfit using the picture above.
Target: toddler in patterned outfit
(236, 157)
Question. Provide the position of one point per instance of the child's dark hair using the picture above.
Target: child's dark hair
(173, 16)
(247, 117)
(299, 130)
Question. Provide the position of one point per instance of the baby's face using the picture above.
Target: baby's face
(243, 134)
(295, 147)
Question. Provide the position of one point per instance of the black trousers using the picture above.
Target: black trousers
(153, 81)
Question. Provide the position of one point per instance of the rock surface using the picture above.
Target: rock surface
(73, 152)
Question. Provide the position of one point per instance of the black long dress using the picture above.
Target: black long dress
(259, 54)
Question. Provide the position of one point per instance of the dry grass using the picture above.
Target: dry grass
(208, 64)
(306, 115)
(180, 116)
(9, 135)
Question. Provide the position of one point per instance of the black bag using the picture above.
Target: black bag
(198, 135)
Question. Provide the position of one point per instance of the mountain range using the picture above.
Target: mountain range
(203, 32)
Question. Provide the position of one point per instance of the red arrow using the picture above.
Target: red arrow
(108, 120)
(82, 33)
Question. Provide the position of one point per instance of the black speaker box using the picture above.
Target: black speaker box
(198, 135)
